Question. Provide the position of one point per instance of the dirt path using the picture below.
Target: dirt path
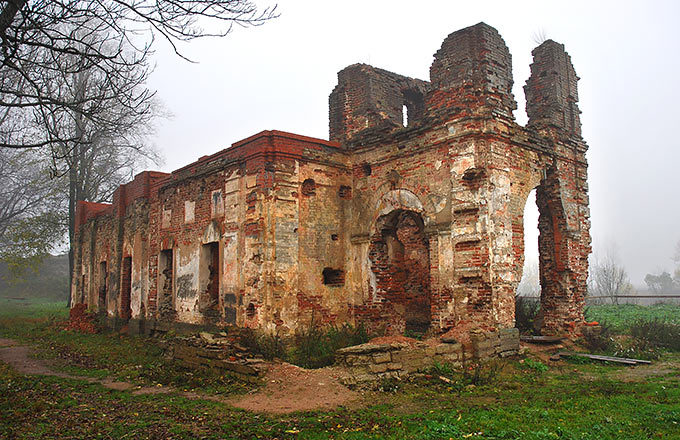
(287, 388)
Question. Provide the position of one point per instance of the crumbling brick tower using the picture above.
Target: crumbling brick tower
(437, 213)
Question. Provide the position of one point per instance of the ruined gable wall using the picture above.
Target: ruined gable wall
(101, 237)
(491, 164)
(95, 247)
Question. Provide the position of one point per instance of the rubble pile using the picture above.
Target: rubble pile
(81, 320)
(219, 352)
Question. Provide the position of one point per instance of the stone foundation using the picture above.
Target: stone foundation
(217, 354)
(370, 362)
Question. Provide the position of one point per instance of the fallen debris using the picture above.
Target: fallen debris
(598, 357)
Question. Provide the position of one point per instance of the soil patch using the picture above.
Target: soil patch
(21, 359)
(6, 342)
(290, 388)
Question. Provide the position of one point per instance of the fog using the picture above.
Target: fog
(278, 76)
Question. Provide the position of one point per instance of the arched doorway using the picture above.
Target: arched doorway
(400, 262)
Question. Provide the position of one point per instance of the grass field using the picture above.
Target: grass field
(620, 317)
(524, 399)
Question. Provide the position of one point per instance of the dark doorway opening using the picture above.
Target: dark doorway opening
(126, 289)
(103, 278)
(211, 271)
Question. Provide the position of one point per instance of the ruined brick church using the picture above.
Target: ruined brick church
(409, 218)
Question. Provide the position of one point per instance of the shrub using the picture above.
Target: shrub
(315, 346)
(600, 339)
(443, 369)
(658, 333)
(604, 341)
(311, 347)
(526, 309)
(268, 346)
(535, 365)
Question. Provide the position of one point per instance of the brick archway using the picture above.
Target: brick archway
(400, 262)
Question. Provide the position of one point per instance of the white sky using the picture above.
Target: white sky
(278, 76)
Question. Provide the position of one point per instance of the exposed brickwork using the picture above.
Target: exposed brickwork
(397, 226)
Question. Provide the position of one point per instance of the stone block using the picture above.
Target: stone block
(365, 349)
(510, 345)
(509, 333)
(378, 368)
(450, 357)
(483, 345)
(394, 366)
(448, 348)
(380, 358)
(239, 368)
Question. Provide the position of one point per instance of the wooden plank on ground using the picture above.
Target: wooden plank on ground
(598, 357)
(542, 339)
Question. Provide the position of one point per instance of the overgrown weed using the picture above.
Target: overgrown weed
(312, 347)
(315, 347)
(657, 333)
(526, 309)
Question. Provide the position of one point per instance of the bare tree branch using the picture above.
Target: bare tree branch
(43, 39)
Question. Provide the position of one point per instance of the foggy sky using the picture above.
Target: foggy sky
(278, 76)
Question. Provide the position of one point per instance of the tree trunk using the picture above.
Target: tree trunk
(75, 189)
(72, 183)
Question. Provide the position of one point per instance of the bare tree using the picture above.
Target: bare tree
(98, 131)
(608, 278)
(32, 219)
(102, 131)
(42, 39)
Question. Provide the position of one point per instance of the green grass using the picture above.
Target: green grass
(620, 317)
(35, 308)
(559, 404)
(523, 399)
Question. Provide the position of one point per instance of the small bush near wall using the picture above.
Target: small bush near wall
(526, 309)
(315, 347)
(312, 347)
